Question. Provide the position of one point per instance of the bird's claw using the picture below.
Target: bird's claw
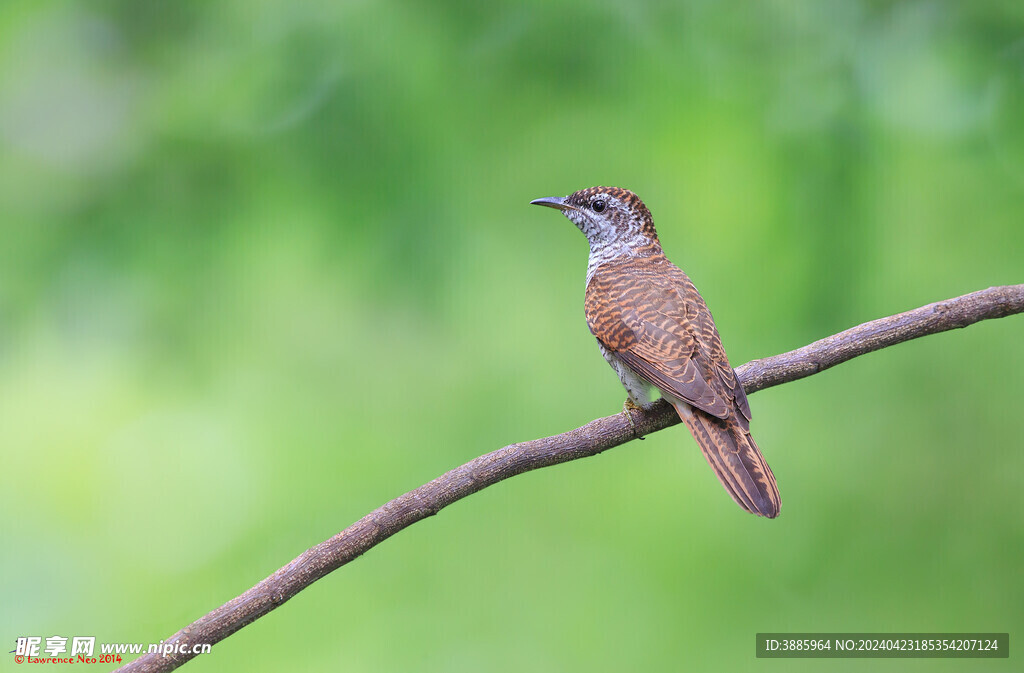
(627, 408)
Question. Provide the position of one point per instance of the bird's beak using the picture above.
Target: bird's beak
(552, 202)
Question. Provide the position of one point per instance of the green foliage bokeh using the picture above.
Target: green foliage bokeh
(266, 265)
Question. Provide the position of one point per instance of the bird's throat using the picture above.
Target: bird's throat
(606, 252)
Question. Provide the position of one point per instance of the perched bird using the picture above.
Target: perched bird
(654, 329)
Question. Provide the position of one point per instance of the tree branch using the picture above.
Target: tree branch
(588, 440)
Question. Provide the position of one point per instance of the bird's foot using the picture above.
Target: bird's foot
(628, 407)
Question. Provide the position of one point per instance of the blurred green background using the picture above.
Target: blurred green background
(266, 265)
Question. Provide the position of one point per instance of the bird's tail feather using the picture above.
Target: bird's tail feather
(736, 460)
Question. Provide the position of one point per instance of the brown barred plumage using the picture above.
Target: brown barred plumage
(648, 316)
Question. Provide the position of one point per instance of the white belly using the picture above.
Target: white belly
(639, 391)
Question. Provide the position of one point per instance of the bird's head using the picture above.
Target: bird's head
(608, 216)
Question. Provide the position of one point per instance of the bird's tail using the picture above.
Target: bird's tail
(736, 460)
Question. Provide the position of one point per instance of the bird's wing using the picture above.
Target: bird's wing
(658, 324)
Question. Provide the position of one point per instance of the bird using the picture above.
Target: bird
(655, 330)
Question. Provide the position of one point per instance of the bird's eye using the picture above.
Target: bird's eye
(598, 205)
